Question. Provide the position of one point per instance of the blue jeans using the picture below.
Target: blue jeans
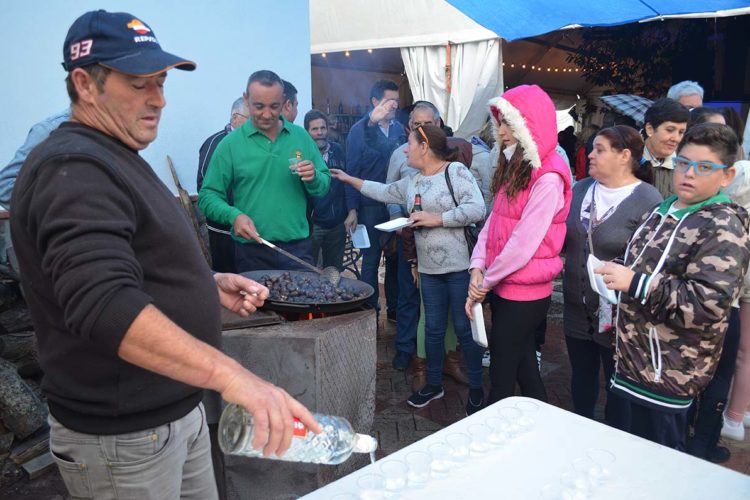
(369, 216)
(407, 314)
(440, 292)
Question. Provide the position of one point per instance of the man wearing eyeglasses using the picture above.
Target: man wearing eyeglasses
(219, 235)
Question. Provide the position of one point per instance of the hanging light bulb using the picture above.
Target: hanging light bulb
(347, 54)
(323, 54)
(369, 51)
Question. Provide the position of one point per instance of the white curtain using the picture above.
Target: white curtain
(476, 77)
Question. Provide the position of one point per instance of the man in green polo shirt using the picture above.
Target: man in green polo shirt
(270, 198)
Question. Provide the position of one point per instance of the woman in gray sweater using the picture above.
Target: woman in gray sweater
(442, 252)
(605, 210)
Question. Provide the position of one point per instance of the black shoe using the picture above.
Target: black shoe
(401, 360)
(423, 396)
(475, 401)
(719, 454)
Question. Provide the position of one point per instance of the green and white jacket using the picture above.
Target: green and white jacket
(689, 266)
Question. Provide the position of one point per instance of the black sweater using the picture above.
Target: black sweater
(99, 237)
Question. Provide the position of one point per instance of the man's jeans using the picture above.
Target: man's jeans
(439, 293)
(331, 241)
(369, 216)
(169, 462)
(407, 314)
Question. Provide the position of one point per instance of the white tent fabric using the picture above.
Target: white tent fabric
(476, 77)
(337, 25)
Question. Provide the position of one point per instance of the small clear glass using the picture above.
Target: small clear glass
(498, 431)
(294, 165)
(460, 444)
(513, 416)
(395, 474)
(604, 461)
(528, 411)
(442, 460)
(575, 486)
(419, 463)
(480, 439)
(371, 487)
(345, 496)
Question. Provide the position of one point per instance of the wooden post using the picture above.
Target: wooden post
(188, 206)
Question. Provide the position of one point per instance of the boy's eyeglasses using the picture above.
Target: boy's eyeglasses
(682, 165)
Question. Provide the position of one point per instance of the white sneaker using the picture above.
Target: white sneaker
(486, 359)
(732, 430)
(746, 419)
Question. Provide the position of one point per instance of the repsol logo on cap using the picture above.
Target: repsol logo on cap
(141, 29)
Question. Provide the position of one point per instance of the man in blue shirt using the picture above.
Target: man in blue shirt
(371, 164)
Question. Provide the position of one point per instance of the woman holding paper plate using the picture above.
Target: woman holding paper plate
(450, 200)
(606, 209)
(518, 252)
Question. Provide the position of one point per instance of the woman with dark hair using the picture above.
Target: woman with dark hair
(706, 115)
(664, 125)
(443, 198)
(518, 251)
(606, 209)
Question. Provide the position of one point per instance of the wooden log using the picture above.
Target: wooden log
(21, 411)
(39, 465)
(32, 447)
(15, 346)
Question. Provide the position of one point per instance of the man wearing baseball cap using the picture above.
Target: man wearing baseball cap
(112, 272)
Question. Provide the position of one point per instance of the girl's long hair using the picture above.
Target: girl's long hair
(511, 176)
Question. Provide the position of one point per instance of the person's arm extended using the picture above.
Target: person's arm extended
(545, 200)
(155, 343)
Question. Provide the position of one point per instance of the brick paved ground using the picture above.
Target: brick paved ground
(398, 425)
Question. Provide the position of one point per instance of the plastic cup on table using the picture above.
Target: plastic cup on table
(442, 461)
(498, 431)
(418, 463)
(588, 470)
(345, 496)
(371, 487)
(604, 460)
(513, 416)
(574, 486)
(480, 435)
(460, 444)
(395, 473)
(528, 410)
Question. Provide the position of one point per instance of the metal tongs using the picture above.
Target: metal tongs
(330, 273)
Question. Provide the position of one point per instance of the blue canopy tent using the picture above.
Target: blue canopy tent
(520, 19)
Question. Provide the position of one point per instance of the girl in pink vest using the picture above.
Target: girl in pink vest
(518, 252)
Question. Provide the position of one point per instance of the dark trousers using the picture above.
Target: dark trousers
(330, 242)
(666, 428)
(257, 257)
(222, 252)
(391, 283)
(369, 216)
(586, 357)
(407, 313)
(706, 412)
(513, 347)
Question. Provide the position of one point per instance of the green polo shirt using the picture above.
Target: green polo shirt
(256, 170)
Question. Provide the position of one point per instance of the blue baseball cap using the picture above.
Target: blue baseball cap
(119, 41)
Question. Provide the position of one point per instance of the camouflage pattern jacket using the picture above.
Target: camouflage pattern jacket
(689, 266)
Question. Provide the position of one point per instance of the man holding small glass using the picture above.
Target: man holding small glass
(271, 166)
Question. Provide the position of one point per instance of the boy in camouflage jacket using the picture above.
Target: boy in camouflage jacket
(683, 269)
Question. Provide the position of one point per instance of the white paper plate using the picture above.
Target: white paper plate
(394, 225)
(478, 332)
(360, 239)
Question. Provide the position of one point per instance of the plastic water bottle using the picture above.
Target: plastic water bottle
(336, 442)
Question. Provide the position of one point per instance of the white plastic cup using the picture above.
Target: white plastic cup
(419, 463)
(498, 431)
(395, 474)
(442, 461)
(460, 444)
(371, 487)
(480, 439)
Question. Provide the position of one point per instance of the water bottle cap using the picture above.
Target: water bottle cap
(365, 444)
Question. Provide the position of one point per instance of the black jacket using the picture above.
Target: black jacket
(99, 237)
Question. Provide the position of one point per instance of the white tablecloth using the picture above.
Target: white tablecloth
(521, 468)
